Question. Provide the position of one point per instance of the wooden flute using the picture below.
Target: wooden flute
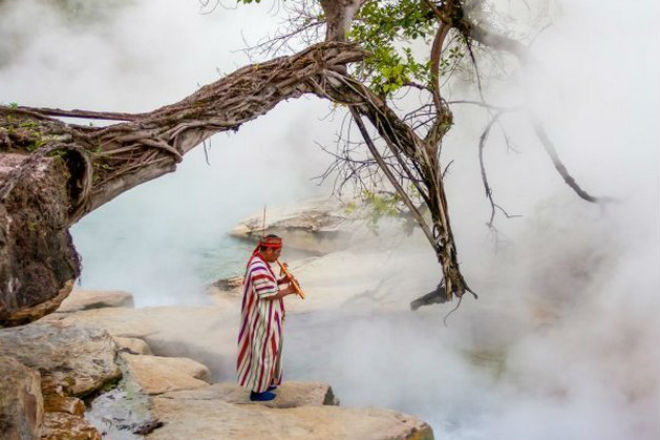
(293, 281)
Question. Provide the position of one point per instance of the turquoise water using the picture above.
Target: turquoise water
(166, 240)
(224, 259)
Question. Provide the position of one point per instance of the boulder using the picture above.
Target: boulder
(223, 411)
(132, 345)
(64, 426)
(21, 404)
(315, 226)
(72, 359)
(95, 299)
(157, 375)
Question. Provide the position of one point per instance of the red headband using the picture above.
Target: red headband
(271, 242)
(268, 242)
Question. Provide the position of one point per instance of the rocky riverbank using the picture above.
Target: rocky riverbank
(99, 369)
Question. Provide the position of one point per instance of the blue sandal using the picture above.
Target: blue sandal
(262, 397)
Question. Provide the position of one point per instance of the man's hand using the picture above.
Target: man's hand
(288, 290)
(281, 293)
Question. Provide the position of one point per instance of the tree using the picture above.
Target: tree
(53, 173)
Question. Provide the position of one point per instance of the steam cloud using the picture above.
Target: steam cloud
(564, 340)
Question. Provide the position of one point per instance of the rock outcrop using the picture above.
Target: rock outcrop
(317, 226)
(76, 360)
(72, 361)
(301, 411)
(38, 263)
(21, 404)
(80, 353)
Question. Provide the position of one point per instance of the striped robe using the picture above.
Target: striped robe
(260, 338)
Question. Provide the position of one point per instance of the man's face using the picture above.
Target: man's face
(271, 254)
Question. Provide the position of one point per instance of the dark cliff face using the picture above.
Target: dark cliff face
(38, 262)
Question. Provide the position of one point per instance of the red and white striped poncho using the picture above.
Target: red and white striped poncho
(260, 338)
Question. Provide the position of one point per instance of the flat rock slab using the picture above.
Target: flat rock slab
(289, 394)
(21, 404)
(143, 322)
(76, 360)
(157, 375)
(215, 419)
(95, 299)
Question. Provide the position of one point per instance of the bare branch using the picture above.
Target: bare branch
(387, 171)
(559, 165)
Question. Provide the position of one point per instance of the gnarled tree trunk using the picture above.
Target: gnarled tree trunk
(52, 173)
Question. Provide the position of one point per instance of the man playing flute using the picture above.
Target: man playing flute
(259, 364)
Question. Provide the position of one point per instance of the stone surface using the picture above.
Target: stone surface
(73, 359)
(118, 321)
(290, 394)
(157, 375)
(132, 345)
(95, 299)
(223, 411)
(63, 426)
(21, 404)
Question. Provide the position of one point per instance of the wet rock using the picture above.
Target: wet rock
(95, 299)
(124, 412)
(63, 426)
(157, 375)
(73, 359)
(21, 404)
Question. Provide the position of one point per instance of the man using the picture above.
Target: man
(259, 364)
